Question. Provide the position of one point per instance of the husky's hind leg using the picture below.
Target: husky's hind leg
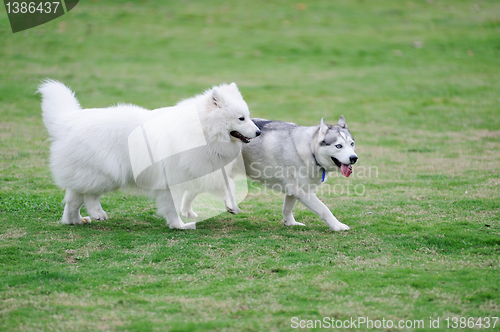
(288, 206)
(94, 207)
(166, 208)
(187, 204)
(71, 215)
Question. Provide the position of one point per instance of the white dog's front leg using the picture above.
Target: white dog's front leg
(315, 205)
(166, 208)
(187, 204)
(288, 206)
(230, 197)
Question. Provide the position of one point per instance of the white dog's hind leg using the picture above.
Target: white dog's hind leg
(71, 215)
(288, 206)
(230, 198)
(315, 205)
(94, 207)
(166, 208)
(187, 204)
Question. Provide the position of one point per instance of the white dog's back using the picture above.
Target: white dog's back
(89, 152)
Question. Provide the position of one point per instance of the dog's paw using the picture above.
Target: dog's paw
(80, 221)
(339, 227)
(233, 211)
(189, 225)
(101, 215)
(292, 222)
(189, 214)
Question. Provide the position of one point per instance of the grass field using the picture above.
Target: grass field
(418, 82)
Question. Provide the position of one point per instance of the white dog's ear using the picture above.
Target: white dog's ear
(217, 98)
(235, 88)
(323, 129)
(342, 122)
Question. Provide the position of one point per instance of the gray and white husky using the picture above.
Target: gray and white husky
(295, 160)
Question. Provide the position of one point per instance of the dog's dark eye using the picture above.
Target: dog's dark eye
(338, 146)
(352, 144)
(242, 118)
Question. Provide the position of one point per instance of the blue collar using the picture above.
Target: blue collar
(324, 170)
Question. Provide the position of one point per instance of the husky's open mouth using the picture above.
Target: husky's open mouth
(346, 170)
(239, 136)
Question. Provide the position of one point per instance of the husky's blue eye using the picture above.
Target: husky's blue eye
(338, 146)
(242, 118)
(352, 144)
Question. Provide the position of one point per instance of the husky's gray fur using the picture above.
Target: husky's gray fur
(295, 159)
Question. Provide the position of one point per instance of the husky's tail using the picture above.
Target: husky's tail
(57, 99)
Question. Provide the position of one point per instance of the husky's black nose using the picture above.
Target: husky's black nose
(353, 159)
(257, 133)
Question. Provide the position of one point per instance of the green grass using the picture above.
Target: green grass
(425, 234)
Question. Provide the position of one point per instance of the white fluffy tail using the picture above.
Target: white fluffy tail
(57, 99)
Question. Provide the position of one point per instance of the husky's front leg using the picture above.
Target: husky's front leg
(288, 206)
(315, 205)
(166, 208)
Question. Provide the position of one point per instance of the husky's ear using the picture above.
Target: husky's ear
(323, 129)
(217, 100)
(342, 122)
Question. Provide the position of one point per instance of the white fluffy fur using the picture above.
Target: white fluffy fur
(90, 153)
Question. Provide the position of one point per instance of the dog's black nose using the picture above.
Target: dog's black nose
(257, 133)
(353, 159)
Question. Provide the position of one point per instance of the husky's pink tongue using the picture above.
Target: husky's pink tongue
(346, 170)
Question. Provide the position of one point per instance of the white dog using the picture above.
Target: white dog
(94, 150)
